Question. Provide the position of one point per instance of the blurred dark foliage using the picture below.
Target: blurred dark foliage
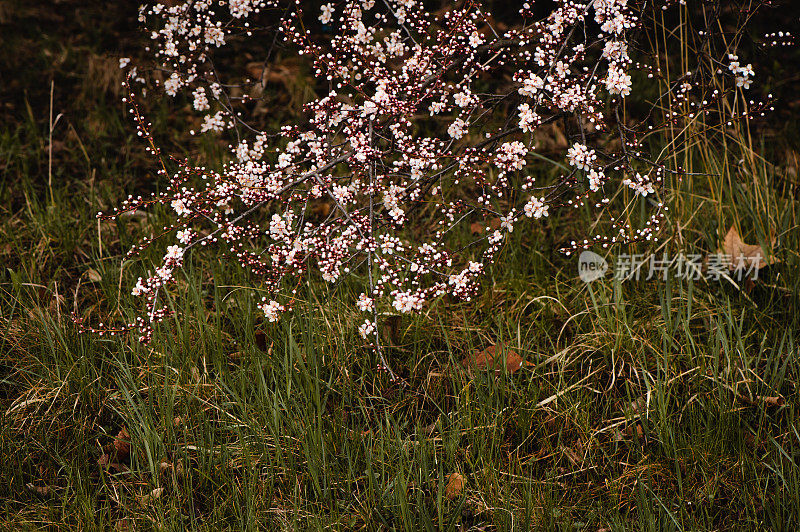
(62, 41)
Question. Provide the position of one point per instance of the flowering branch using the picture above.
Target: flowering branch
(428, 118)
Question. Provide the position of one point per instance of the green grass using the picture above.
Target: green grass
(645, 405)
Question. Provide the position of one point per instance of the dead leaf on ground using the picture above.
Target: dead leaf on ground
(41, 491)
(94, 276)
(489, 358)
(152, 496)
(165, 468)
(476, 228)
(106, 462)
(636, 430)
(765, 400)
(750, 256)
(122, 444)
(772, 401)
(455, 484)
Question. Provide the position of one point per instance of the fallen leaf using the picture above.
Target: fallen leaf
(106, 462)
(488, 358)
(744, 255)
(122, 444)
(772, 401)
(41, 491)
(455, 483)
(165, 468)
(94, 276)
(152, 496)
(765, 400)
(476, 228)
(636, 430)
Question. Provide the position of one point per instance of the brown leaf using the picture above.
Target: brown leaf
(122, 444)
(150, 497)
(489, 358)
(772, 401)
(494, 223)
(165, 468)
(744, 255)
(106, 462)
(476, 228)
(765, 400)
(455, 483)
(94, 276)
(636, 430)
(41, 491)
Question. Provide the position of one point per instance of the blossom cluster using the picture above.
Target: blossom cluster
(425, 117)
